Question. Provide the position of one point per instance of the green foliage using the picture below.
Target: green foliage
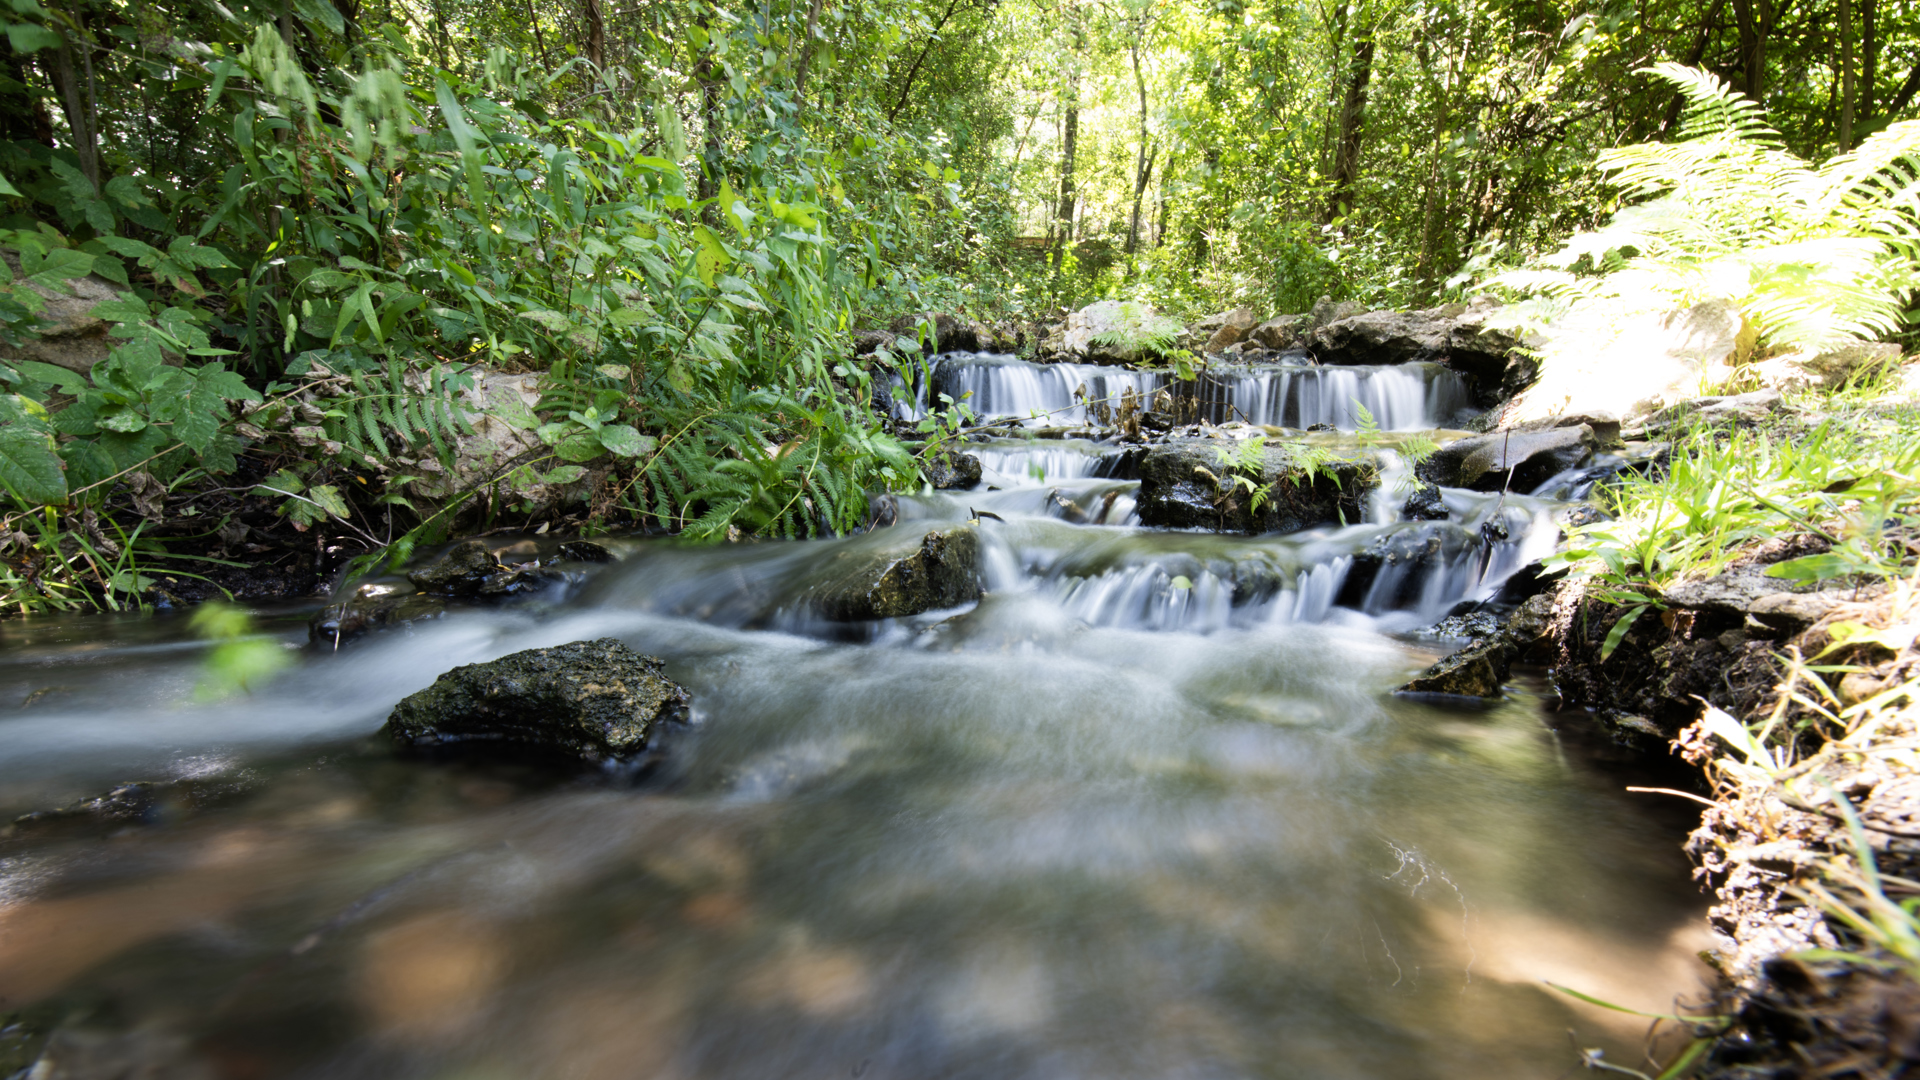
(241, 659)
(1814, 257)
(1851, 482)
(1138, 330)
(1245, 470)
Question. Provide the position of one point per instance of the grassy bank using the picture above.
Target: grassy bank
(1811, 774)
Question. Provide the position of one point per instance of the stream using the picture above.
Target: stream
(1148, 809)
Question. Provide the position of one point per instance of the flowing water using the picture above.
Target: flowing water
(1147, 810)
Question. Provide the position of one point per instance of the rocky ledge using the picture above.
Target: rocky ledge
(1210, 483)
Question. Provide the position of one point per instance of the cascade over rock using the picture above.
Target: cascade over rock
(941, 572)
(1457, 336)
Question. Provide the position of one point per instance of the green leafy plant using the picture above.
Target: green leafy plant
(241, 660)
(1813, 256)
(1138, 330)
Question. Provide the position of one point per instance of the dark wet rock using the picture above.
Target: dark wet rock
(1474, 672)
(1425, 504)
(1713, 639)
(1391, 572)
(1184, 484)
(1575, 517)
(1473, 625)
(470, 571)
(942, 572)
(585, 551)
(1484, 462)
(588, 699)
(140, 802)
(366, 612)
(460, 572)
(1529, 630)
(951, 469)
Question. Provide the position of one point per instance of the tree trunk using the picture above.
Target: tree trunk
(76, 101)
(806, 55)
(932, 37)
(1707, 27)
(1143, 161)
(1751, 15)
(596, 33)
(1070, 132)
(710, 155)
(1346, 160)
(1869, 57)
(1846, 76)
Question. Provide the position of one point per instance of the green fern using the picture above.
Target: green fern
(383, 403)
(1139, 330)
(1814, 257)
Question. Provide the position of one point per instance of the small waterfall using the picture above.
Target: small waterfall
(998, 386)
(1404, 397)
(1010, 463)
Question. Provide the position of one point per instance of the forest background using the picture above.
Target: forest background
(324, 221)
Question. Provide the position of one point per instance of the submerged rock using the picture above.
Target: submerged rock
(460, 572)
(1425, 504)
(942, 572)
(588, 699)
(365, 612)
(1186, 484)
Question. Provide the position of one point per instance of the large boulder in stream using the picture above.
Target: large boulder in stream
(589, 699)
(1187, 484)
(942, 572)
(1517, 461)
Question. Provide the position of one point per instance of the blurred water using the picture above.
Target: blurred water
(1146, 810)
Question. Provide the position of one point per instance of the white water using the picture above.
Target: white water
(1406, 397)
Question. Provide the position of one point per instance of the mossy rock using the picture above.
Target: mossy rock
(588, 699)
(1184, 484)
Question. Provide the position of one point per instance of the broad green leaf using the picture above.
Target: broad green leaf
(1735, 734)
(123, 419)
(29, 466)
(579, 446)
(624, 441)
(328, 497)
(565, 474)
(28, 38)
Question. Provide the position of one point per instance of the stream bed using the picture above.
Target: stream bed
(1148, 809)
